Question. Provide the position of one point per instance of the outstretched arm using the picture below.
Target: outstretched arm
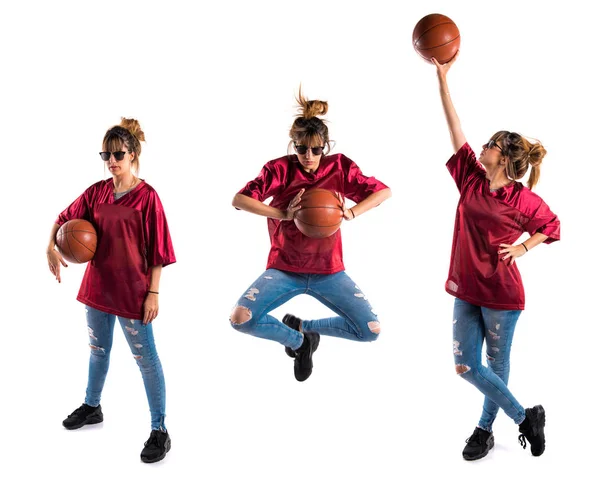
(456, 134)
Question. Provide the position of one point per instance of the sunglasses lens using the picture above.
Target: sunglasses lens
(119, 155)
(105, 156)
(302, 149)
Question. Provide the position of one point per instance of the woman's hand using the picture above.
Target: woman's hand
(442, 69)
(55, 259)
(348, 213)
(293, 207)
(150, 308)
(512, 252)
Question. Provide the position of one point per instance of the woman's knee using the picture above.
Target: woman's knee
(461, 369)
(97, 348)
(147, 361)
(466, 372)
(241, 318)
(99, 351)
(372, 332)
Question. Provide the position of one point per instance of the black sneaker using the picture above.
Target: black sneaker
(84, 415)
(532, 429)
(294, 323)
(156, 447)
(478, 444)
(303, 363)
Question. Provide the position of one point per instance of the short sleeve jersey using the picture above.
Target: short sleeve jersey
(133, 236)
(484, 220)
(282, 179)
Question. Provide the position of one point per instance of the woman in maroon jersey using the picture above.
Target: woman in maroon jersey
(298, 264)
(122, 280)
(494, 210)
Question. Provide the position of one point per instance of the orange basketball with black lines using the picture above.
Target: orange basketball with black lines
(436, 35)
(76, 241)
(321, 214)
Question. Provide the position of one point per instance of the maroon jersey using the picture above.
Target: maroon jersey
(282, 179)
(132, 237)
(484, 220)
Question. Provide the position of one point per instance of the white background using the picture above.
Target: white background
(213, 86)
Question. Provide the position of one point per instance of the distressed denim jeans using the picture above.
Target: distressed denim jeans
(141, 342)
(473, 324)
(354, 319)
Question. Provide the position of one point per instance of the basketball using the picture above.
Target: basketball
(321, 214)
(76, 241)
(436, 36)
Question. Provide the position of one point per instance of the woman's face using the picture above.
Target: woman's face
(309, 153)
(119, 167)
(492, 155)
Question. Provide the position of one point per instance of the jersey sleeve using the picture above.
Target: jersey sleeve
(268, 182)
(358, 186)
(80, 208)
(159, 249)
(463, 165)
(545, 222)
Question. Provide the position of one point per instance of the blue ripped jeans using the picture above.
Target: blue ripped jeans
(141, 342)
(471, 325)
(355, 319)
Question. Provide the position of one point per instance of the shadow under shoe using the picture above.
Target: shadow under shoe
(294, 323)
(84, 415)
(156, 447)
(532, 429)
(478, 444)
(303, 364)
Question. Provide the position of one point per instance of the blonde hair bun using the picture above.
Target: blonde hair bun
(134, 128)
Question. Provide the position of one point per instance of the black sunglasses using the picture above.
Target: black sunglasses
(302, 149)
(491, 144)
(118, 156)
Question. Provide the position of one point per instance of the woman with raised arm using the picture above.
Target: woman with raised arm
(298, 264)
(494, 210)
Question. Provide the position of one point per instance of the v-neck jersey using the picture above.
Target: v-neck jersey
(484, 220)
(282, 179)
(133, 235)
